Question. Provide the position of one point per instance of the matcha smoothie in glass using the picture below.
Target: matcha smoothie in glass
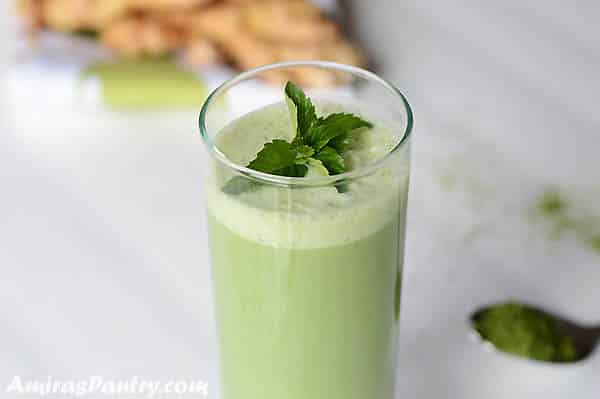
(306, 193)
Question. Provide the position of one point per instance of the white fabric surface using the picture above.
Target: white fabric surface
(102, 230)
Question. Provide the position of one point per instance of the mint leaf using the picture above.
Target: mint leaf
(275, 156)
(334, 125)
(332, 160)
(295, 170)
(303, 152)
(281, 158)
(341, 142)
(305, 111)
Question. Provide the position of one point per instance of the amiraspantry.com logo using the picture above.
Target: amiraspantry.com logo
(97, 385)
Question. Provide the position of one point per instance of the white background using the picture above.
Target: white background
(102, 242)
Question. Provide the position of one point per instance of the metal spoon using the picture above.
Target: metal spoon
(584, 338)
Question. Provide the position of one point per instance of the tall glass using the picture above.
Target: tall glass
(306, 271)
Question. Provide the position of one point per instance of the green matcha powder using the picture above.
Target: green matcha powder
(526, 332)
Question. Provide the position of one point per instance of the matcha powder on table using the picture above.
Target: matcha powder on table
(526, 332)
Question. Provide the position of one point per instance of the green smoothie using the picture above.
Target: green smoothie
(307, 280)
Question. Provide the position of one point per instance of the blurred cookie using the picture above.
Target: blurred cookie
(202, 52)
(72, 15)
(163, 5)
(343, 52)
(292, 21)
(220, 23)
(140, 36)
(67, 15)
(30, 12)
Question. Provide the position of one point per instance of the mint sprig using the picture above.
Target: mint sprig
(326, 129)
(332, 160)
(304, 112)
(275, 156)
(317, 138)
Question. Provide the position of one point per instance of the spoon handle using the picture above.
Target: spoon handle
(595, 331)
(587, 338)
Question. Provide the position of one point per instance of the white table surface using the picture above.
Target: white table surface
(103, 243)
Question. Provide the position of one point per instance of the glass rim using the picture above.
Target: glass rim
(304, 181)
